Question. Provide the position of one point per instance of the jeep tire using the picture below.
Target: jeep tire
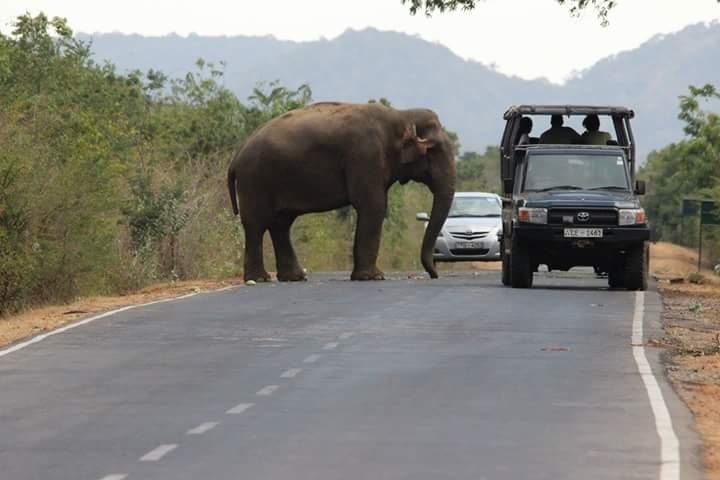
(636, 267)
(521, 272)
(616, 277)
(505, 266)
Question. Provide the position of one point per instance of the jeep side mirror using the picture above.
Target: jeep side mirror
(640, 187)
(508, 186)
(422, 217)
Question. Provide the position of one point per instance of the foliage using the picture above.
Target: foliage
(602, 7)
(479, 172)
(109, 181)
(686, 169)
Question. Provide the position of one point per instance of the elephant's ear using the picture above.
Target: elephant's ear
(413, 146)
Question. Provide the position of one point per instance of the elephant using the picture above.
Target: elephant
(330, 155)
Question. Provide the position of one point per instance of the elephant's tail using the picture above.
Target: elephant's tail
(232, 189)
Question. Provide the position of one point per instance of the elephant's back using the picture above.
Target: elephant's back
(320, 127)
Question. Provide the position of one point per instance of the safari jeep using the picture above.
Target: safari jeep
(574, 204)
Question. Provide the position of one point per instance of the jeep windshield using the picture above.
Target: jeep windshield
(575, 171)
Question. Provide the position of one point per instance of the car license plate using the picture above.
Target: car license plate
(583, 233)
(468, 245)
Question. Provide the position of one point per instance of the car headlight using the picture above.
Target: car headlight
(632, 216)
(532, 215)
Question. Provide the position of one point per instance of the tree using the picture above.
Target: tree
(686, 169)
(602, 7)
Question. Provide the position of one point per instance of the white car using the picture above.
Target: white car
(471, 231)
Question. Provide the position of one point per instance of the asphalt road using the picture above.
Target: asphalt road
(457, 378)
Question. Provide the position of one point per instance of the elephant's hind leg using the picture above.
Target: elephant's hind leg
(254, 267)
(288, 268)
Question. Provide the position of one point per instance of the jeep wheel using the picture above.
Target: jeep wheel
(521, 274)
(505, 268)
(616, 277)
(636, 268)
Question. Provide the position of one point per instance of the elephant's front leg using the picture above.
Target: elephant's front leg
(367, 243)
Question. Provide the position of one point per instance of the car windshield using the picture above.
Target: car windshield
(475, 207)
(575, 172)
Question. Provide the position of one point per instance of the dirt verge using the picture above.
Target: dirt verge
(691, 320)
(39, 320)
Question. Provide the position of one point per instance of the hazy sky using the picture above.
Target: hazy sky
(527, 38)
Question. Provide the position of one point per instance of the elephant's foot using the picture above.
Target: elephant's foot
(259, 277)
(373, 274)
(296, 275)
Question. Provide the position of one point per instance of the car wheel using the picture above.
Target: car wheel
(521, 274)
(636, 268)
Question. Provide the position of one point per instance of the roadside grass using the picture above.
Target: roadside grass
(691, 319)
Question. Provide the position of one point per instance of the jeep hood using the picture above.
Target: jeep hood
(581, 198)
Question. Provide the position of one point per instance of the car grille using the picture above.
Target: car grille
(469, 251)
(469, 236)
(597, 216)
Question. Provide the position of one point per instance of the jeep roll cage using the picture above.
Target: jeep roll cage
(511, 153)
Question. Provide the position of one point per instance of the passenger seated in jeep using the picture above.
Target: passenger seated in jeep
(559, 135)
(592, 134)
(526, 125)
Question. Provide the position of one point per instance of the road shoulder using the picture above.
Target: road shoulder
(42, 320)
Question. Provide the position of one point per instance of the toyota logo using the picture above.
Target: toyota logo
(469, 231)
(583, 216)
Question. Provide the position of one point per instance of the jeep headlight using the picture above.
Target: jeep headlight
(532, 215)
(632, 216)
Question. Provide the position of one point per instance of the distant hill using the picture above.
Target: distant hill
(469, 97)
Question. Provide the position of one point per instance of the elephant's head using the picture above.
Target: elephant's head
(427, 157)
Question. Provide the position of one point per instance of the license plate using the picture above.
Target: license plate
(583, 233)
(468, 245)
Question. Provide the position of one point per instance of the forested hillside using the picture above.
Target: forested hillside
(469, 96)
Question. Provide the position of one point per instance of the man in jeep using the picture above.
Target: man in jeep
(557, 134)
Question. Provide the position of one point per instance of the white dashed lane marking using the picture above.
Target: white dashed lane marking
(239, 408)
(330, 346)
(158, 453)
(202, 428)
(291, 373)
(346, 335)
(115, 476)
(312, 358)
(267, 390)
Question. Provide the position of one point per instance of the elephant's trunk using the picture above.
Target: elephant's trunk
(440, 208)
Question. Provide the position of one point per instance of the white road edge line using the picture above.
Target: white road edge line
(115, 476)
(64, 329)
(312, 358)
(330, 346)
(239, 408)
(267, 390)
(158, 453)
(669, 444)
(202, 428)
(293, 372)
